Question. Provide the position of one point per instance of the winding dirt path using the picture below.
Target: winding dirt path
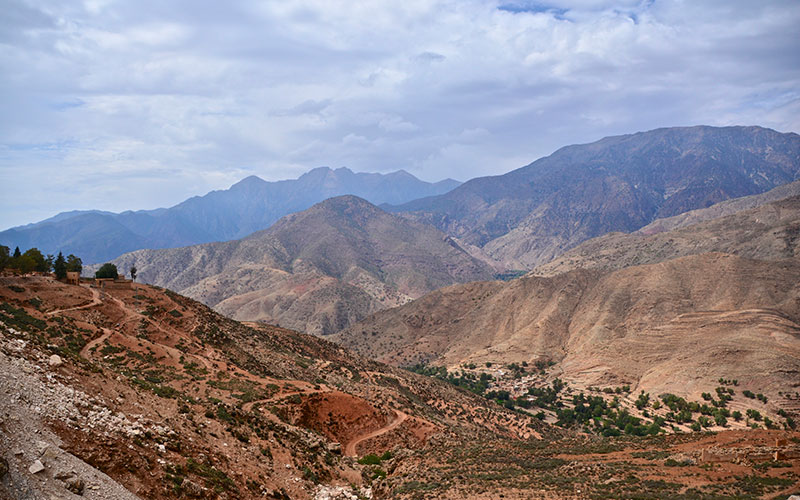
(350, 448)
(95, 302)
(94, 343)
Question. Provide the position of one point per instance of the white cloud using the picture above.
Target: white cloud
(177, 98)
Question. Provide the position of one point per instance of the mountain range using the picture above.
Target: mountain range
(661, 299)
(249, 205)
(316, 271)
(322, 270)
(137, 392)
(531, 215)
(657, 312)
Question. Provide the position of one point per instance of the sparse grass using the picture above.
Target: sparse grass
(19, 319)
(214, 478)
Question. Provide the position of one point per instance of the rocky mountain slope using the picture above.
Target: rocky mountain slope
(248, 206)
(610, 295)
(167, 398)
(317, 270)
(721, 209)
(533, 214)
(142, 393)
(676, 326)
(767, 232)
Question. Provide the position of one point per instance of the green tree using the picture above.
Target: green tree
(17, 253)
(133, 273)
(60, 267)
(107, 270)
(40, 263)
(754, 414)
(74, 264)
(25, 264)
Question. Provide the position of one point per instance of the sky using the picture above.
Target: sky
(118, 105)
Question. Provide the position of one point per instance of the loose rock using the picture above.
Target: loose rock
(75, 485)
(36, 467)
(55, 361)
(193, 489)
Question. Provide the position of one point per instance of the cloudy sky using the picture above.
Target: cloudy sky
(122, 105)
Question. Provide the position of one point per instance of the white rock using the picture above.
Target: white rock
(36, 467)
(55, 361)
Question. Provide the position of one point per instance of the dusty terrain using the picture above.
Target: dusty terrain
(156, 396)
(676, 326)
(157, 393)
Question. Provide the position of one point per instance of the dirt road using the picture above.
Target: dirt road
(350, 448)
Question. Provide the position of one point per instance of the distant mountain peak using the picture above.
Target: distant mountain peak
(250, 205)
(249, 181)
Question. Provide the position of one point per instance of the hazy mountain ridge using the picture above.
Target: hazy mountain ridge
(250, 205)
(533, 214)
(317, 270)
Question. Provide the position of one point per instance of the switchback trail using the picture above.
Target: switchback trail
(350, 448)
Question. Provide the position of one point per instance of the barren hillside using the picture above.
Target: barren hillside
(142, 393)
(676, 326)
(316, 271)
(153, 391)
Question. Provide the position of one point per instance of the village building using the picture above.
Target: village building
(73, 277)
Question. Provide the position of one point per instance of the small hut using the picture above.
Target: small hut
(73, 277)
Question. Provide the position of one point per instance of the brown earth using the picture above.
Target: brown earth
(676, 326)
(180, 402)
(168, 398)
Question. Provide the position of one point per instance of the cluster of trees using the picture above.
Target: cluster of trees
(33, 260)
(466, 380)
